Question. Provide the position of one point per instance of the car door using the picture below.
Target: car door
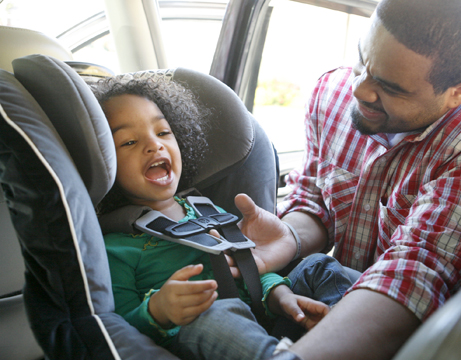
(271, 52)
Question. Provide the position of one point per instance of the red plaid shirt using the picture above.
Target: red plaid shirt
(392, 213)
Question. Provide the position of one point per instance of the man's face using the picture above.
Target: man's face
(392, 94)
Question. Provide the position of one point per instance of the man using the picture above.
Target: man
(381, 182)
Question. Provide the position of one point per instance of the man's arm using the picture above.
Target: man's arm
(363, 325)
(311, 231)
(276, 245)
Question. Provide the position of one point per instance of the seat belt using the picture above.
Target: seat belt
(194, 233)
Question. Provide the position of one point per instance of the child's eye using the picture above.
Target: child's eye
(128, 143)
(164, 133)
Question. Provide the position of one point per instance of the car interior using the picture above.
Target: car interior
(241, 158)
(56, 163)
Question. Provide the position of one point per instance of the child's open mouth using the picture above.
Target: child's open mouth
(158, 171)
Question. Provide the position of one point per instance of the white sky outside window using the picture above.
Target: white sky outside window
(189, 43)
(51, 17)
(302, 43)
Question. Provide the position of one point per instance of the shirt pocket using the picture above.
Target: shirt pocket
(338, 187)
(391, 217)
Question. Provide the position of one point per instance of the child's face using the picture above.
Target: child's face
(148, 157)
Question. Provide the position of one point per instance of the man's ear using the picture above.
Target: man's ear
(454, 99)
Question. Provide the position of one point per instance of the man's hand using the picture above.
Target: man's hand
(180, 301)
(275, 245)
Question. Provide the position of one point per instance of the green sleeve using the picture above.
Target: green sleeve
(269, 281)
(130, 302)
(145, 323)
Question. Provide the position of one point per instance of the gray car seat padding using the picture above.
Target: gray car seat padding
(17, 341)
(70, 104)
(76, 116)
(67, 292)
(256, 172)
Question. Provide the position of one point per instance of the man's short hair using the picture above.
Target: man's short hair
(431, 28)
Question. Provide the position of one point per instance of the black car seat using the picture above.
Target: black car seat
(16, 339)
(57, 161)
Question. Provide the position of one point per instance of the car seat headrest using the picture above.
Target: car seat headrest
(77, 117)
(72, 108)
(17, 42)
(232, 137)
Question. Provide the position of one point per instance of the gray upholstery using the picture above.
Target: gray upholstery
(77, 117)
(10, 257)
(50, 192)
(242, 159)
(17, 341)
(67, 292)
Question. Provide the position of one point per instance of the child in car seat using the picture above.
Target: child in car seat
(167, 290)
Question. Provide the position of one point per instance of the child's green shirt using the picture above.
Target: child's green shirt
(141, 264)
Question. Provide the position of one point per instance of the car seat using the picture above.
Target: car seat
(57, 161)
(16, 340)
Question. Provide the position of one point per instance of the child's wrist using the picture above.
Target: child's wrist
(159, 316)
(273, 299)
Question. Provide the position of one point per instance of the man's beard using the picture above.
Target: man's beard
(426, 117)
(357, 122)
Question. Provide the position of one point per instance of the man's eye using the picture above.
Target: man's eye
(388, 91)
(128, 143)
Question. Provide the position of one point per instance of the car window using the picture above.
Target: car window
(303, 41)
(55, 17)
(191, 43)
(100, 51)
(190, 29)
(51, 17)
(187, 43)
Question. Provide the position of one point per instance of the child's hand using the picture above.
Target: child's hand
(303, 310)
(180, 301)
(306, 312)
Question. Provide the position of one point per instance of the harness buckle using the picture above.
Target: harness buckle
(203, 224)
(159, 225)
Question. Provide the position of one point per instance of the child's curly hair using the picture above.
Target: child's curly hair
(181, 109)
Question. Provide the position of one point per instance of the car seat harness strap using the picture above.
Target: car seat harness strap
(194, 233)
(243, 257)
